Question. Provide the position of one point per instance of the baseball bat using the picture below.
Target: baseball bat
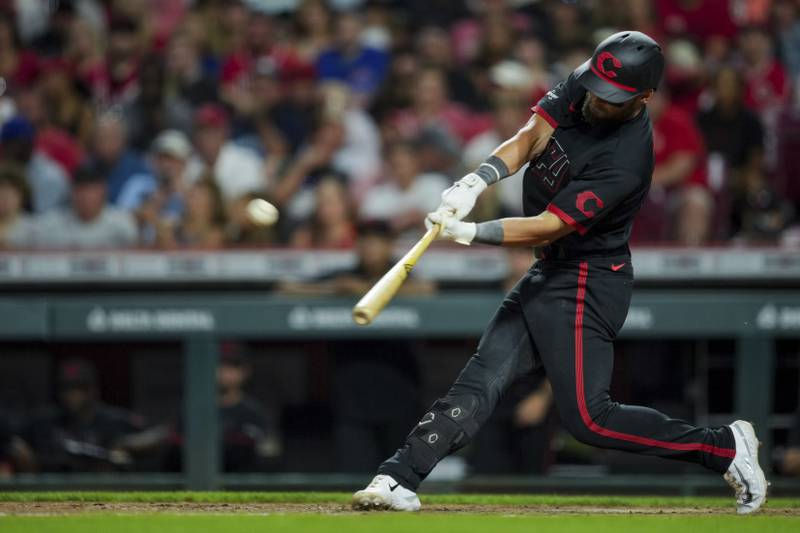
(372, 303)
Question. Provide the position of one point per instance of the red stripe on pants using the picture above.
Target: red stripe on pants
(587, 419)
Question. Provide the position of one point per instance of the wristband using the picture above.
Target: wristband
(492, 170)
(489, 232)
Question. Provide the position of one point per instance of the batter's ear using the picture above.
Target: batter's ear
(646, 95)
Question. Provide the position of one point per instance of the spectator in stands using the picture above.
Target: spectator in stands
(18, 67)
(531, 53)
(361, 68)
(187, 84)
(431, 106)
(80, 434)
(237, 170)
(767, 85)
(294, 190)
(686, 75)
(433, 47)
(145, 114)
(67, 108)
(735, 140)
(89, 223)
(786, 15)
(113, 156)
(203, 222)
(396, 91)
(405, 194)
(359, 156)
(255, 40)
(700, 19)
(47, 180)
(766, 81)
(15, 225)
(159, 197)
(313, 35)
(331, 225)
(123, 60)
(86, 54)
(679, 205)
(497, 41)
(59, 145)
(764, 213)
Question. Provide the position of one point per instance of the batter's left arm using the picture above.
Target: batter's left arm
(540, 230)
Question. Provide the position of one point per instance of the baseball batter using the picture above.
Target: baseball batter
(589, 146)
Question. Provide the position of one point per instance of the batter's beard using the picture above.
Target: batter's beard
(593, 119)
(589, 115)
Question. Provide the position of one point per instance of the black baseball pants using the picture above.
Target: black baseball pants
(562, 316)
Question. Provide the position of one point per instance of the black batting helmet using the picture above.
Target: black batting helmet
(623, 66)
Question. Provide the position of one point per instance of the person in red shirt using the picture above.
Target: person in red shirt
(701, 19)
(431, 106)
(239, 67)
(679, 205)
(766, 81)
(18, 67)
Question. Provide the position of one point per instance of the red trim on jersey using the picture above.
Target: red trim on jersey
(612, 82)
(545, 115)
(566, 218)
(587, 419)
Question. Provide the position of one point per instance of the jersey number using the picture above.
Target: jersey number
(552, 165)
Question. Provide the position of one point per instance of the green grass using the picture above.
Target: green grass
(342, 497)
(390, 523)
(503, 521)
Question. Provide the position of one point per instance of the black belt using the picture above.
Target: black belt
(559, 253)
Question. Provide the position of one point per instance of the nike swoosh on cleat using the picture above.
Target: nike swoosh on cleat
(395, 486)
(748, 495)
(617, 267)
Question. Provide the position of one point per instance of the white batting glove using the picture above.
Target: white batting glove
(459, 199)
(452, 229)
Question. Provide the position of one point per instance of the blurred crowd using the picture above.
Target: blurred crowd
(144, 123)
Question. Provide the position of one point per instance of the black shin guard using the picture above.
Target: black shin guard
(448, 426)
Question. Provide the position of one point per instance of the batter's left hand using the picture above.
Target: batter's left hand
(452, 229)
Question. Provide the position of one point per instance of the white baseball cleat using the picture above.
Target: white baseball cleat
(384, 493)
(745, 474)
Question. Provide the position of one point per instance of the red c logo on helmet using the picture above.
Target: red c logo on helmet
(585, 196)
(601, 60)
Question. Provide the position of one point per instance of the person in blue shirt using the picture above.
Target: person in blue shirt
(112, 154)
(360, 67)
(160, 195)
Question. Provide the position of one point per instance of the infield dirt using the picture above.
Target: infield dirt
(67, 508)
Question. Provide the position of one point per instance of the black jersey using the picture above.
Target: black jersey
(594, 178)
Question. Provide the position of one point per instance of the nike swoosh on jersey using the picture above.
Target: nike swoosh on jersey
(617, 267)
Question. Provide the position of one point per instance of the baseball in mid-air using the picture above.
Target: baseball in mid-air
(261, 212)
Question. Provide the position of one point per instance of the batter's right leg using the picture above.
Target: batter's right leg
(504, 352)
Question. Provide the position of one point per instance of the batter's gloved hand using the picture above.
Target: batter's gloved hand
(460, 198)
(452, 229)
